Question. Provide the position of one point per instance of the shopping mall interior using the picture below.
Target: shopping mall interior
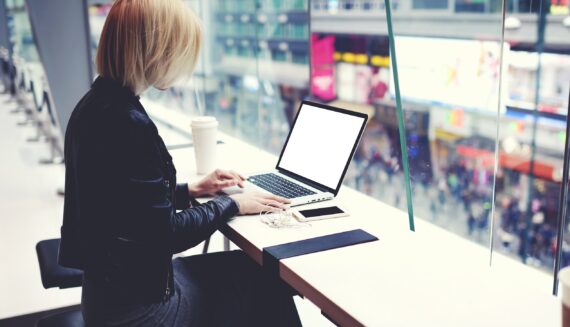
(466, 136)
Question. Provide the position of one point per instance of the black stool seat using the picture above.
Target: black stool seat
(54, 275)
(65, 319)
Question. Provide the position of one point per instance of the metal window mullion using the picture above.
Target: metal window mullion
(562, 205)
(401, 125)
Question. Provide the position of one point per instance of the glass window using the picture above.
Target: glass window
(486, 102)
(478, 6)
(458, 90)
(29, 68)
(532, 142)
(97, 14)
(513, 6)
(262, 55)
(253, 69)
(529, 6)
(21, 31)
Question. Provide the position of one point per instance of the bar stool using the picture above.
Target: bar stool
(54, 275)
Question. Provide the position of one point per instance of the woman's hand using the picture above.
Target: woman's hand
(215, 182)
(250, 203)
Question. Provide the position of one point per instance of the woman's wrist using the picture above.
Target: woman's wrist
(194, 190)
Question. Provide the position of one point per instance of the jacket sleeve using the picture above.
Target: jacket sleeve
(151, 203)
(182, 196)
(194, 225)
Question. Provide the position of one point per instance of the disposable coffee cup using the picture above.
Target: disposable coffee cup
(204, 135)
(564, 278)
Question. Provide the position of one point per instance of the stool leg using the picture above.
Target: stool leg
(226, 244)
(39, 137)
(206, 246)
(54, 159)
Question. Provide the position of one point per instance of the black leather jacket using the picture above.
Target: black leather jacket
(120, 223)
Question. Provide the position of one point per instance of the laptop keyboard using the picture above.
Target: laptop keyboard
(279, 186)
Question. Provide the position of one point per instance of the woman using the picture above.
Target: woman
(120, 222)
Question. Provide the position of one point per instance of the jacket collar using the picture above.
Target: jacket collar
(110, 85)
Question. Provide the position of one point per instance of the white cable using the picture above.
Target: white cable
(281, 219)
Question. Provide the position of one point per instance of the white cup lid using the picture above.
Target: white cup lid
(204, 122)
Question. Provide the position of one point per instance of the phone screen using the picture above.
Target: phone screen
(320, 212)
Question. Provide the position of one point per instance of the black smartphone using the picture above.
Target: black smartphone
(320, 213)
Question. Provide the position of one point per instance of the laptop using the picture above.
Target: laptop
(315, 157)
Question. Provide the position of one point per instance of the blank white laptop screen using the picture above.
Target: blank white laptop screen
(320, 144)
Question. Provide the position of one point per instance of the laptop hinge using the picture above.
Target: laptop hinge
(303, 180)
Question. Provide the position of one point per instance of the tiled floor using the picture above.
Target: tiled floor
(30, 211)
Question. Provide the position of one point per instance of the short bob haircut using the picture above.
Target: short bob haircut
(148, 43)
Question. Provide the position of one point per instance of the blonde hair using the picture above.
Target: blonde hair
(148, 43)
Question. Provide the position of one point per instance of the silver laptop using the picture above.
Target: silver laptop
(315, 156)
